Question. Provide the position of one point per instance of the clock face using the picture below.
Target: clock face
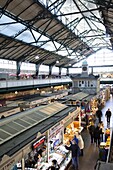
(84, 68)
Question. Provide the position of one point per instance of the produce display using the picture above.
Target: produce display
(71, 131)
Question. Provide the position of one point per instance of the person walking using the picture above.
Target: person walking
(108, 115)
(75, 150)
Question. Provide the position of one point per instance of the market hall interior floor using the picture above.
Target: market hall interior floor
(91, 152)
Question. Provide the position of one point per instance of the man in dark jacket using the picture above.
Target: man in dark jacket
(99, 115)
(108, 115)
(75, 150)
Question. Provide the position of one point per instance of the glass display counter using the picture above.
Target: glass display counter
(62, 156)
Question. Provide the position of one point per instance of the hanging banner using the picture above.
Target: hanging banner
(38, 142)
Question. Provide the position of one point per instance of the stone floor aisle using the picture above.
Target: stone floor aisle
(91, 152)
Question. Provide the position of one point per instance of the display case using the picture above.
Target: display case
(62, 156)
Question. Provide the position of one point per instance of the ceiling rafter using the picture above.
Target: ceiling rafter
(47, 22)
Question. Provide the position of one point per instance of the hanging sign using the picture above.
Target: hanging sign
(38, 142)
(55, 130)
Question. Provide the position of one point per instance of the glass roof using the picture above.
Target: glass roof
(81, 17)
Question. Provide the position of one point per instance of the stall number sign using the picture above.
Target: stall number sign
(38, 142)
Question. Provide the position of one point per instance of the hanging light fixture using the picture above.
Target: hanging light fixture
(57, 61)
(36, 57)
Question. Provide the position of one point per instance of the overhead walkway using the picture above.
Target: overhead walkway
(13, 85)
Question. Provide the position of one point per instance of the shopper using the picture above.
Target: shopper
(75, 150)
(101, 126)
(80, 143)
(91, 129)
(108, 115)
(99, 115)
(54, 166)
(97, 133)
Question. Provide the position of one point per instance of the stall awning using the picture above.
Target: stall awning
(20, 130)
(9, 108)
(77, 96)
(88, 98)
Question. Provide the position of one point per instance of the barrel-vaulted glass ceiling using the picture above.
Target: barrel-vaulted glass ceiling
(82, 17)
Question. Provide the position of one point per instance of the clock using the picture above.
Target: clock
(84, 68)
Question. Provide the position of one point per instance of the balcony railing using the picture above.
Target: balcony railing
(33, 82)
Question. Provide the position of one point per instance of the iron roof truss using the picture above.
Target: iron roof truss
(47, 21)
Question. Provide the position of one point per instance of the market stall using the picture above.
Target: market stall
(21, 130)
(50, 145)
(105, 146)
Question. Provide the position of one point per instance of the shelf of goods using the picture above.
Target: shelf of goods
(59, 152)
(71, 130)
(105, 146)
(62, 156)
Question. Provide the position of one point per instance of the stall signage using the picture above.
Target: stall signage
(55, 130)
(38, 142)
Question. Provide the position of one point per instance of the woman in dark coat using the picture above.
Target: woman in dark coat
(91, 129)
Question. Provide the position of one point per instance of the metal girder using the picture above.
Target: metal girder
(85, 46)
(32, 34)
(56, 6)
(29, 25)
(79, 12)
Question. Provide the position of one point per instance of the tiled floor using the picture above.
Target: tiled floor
(91, 152)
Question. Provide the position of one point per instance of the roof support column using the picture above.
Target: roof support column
(60, 69)
(18, 65)
(67, 73)
(50, 70)
(37, 69)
